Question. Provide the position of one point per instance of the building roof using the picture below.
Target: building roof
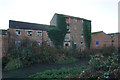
(112, 34)
(3, 32)
(93, 33)
(27, 25)
(72, 16)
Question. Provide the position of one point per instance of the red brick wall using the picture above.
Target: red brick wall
(3, 45)
(103, 39)
(33, 37)
(116, 40)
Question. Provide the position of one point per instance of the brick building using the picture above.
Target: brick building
(115, 39)
(35, 32)
(75, 30)
(100, 39)
(3, 42)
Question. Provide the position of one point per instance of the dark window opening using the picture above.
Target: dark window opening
(66, 45)
(112, 40)
(29, 33)
(17, 32)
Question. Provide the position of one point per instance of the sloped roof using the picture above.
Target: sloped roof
(112, 34)
(27, 25)
(93, 33)
(72, 16)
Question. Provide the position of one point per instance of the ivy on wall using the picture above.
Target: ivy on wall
(57, 34)
(87, 33)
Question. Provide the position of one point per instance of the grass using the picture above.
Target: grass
(61, 73)
(66, 61)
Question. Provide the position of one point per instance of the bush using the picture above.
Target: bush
(5, 60)
(105, 51)
(66, 61)
(103, 67)
(61, 73)
(13, 64)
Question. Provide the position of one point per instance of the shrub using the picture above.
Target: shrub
(66, 61)
(13, 64)
(5, 60)
(103, 67)
(61, 73)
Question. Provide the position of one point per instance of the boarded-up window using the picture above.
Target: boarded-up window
(97, 42)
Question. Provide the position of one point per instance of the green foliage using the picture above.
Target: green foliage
(61, 73)
(66, 61)
(105, 51)
(102, 67)
(5, 60)
(87, 33)
(13, 64)
(57, 34)
(73, 46)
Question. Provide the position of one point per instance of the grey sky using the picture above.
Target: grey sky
(102, 13)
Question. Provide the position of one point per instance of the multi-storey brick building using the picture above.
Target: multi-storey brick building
(19, 31)
(75, 30)
(36, 32)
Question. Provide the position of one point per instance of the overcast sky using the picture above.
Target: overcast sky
(102, 13)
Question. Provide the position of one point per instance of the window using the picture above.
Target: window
(75, 27)
(82, 21)
(81, 45)
(75, 20)
(40, 43)
(48, 43)
(67, 27)
(67, 20)
(112, 40)
(66, 44)
(17, 42)
(18, 32)
(75, 35)
(81, 35)
(29, 33)
(97, 42)
(39, 34)
(67, 37)
(75, 44)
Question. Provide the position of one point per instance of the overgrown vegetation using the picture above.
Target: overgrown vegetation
(61, 73)
(57, 34)
(101, 66)
(87, 33)
(67, 60)
(29, 52)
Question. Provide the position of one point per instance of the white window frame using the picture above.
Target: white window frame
(16, 31)
(30, 33)
(67, 37)
(39, 43)
(66, 43)
(39, 33)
